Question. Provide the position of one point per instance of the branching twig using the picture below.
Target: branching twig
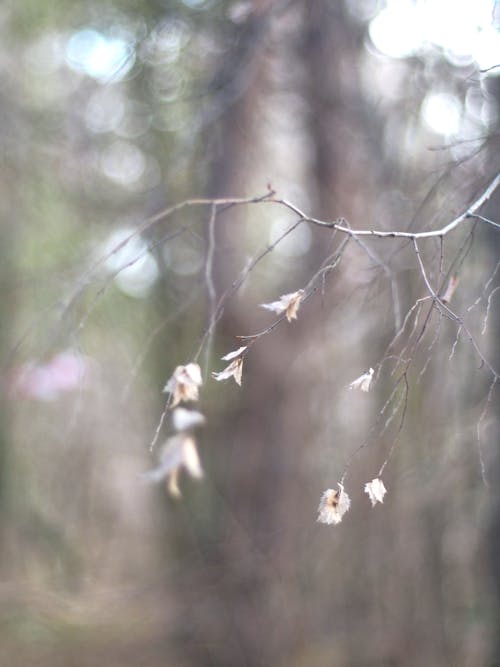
(380, 415)
(269, 197)
(310, 289)
(486, 288)
(390, 276)
(398, 234)
(450, 314)
(397, 439)
(431, 347)
(237, 284)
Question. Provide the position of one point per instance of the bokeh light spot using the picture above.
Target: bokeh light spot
(135, 268)
(99, 56)
(442, 113)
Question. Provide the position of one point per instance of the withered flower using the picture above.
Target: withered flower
(178, 452)
(184, 384)
(234, 369)
(376, 491)
(363, 382)
(333, 505)
(287, 303)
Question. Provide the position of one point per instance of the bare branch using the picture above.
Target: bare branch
(450, 314)
(469, 213)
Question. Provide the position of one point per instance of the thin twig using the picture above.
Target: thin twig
(485, 289)
(209, 279)
(488, 308)
(373, 429)
(483, 219)
(391, 278)
(450, 314)
(310, 289)
(159, 425)
(237, 284)
(397, 439)
(478, 431)
(431, 347)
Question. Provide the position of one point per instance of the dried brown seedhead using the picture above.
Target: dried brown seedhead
(184, 384)
(287, 303)
(235, 368)
(333, 505)
(376, 491)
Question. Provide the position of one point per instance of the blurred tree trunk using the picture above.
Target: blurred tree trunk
(246, 447)
(262, 444)
(331, 50)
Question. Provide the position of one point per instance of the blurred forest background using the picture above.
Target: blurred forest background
(385, 113)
